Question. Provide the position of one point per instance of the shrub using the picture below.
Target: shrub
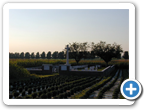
(17, 72)
(10, 96)
(19, 97)
(15, 94)
(38, 88)
(43, 96)
(34, 95)
(34, 89)
(28, 97)
(44, 91)
(43, 87)
(29, 91)
(39, 93)
(68, 94)
(48, 94)
(54, 93)
(26, 88)
(65, 95)
(61, 96)
(20, 89)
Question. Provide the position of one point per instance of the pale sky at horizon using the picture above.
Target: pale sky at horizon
(38, 30)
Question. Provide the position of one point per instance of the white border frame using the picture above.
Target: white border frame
(8, 6)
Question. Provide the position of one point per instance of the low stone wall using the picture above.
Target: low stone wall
(105, 72)
(45, 69)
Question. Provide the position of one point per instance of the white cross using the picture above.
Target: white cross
(67, 57)
(131, 89)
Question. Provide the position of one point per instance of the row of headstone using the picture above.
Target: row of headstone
(92, 68)
(79, 66)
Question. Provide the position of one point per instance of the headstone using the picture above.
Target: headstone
(96, 67)
(64, 67)
(46, 67)
(86, 68)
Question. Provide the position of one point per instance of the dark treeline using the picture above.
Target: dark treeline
(43, 55)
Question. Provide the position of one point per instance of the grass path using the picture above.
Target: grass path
(95, 93)
(108, 94)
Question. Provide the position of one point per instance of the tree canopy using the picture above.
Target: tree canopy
(107, 51)
(78, 50)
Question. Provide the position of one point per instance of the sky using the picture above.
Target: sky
(38, 30)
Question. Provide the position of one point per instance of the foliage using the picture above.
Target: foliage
(126, 55)
(43, 55)
(32, 55)
(55, 55)
(27, 55)
(107, 51)
(78, 51)
(49, 55)
(17, 72)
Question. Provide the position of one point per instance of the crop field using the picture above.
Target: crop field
(23, 85)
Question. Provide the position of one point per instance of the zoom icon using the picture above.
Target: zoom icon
(131, 89)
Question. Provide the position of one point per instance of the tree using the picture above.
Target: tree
(92, 55)
(61, 55)
(43, 55)
(22, 55)
(17, 55)
(55, 55)
(27, 55)
(49, 55)
(78, 51)
(37, 55)
(107, 51)
(126, 55)
(11, 55)
(32, 55)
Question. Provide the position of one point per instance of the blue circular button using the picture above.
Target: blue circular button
(131, 89)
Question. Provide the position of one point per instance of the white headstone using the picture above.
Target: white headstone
(64, 67)
(46, 67)
(96, 67)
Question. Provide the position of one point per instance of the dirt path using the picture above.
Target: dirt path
(95, 93)
(108, 94)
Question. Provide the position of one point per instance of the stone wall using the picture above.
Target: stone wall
(105, 72)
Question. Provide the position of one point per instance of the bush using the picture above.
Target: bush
(39, 94)
(34, 89)
(29, 91)
(10, 96)
(49, 95)
(44, 91)
(17, 72)
(34, 95)
(15, 94)
(26, 88)
(20, 89)
(28, 97)
(61, 96)
(43, 96)
(23, 93)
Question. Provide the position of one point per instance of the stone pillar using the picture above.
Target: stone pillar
(67, 55)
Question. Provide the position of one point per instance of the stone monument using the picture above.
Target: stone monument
(67, 55)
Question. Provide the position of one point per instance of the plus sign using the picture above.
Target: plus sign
(131, 89)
